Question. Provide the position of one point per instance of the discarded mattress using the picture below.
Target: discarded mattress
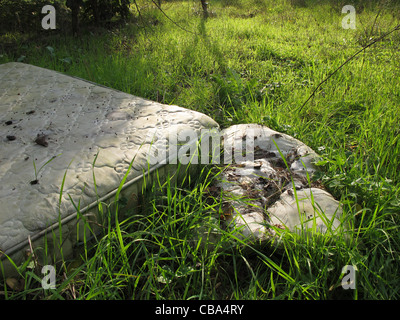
(270, 190)
(66, 145)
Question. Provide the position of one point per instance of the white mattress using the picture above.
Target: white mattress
(265, 194)
(75, 121)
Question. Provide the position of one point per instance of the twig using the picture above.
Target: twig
(32, 254)
(179, 26)
(376, 18)
(87, 70)
(348, 60)
(140, 15)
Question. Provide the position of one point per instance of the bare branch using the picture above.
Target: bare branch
(348, 60)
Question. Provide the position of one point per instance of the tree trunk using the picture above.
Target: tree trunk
(95, 8)
(204, 4)
(74, 6)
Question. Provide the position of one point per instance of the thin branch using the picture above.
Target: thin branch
(179, 26)
(348, 60)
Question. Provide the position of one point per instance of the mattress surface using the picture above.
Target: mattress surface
(58, 133)
(266, 195)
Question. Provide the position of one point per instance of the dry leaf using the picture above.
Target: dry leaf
(16, 285)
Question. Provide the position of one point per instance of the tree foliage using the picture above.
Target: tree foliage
(101, 11)
(21, 15)
(25, 15)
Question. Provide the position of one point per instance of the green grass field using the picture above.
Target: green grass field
(251, 61)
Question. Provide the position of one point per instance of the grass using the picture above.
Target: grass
(252, 61)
